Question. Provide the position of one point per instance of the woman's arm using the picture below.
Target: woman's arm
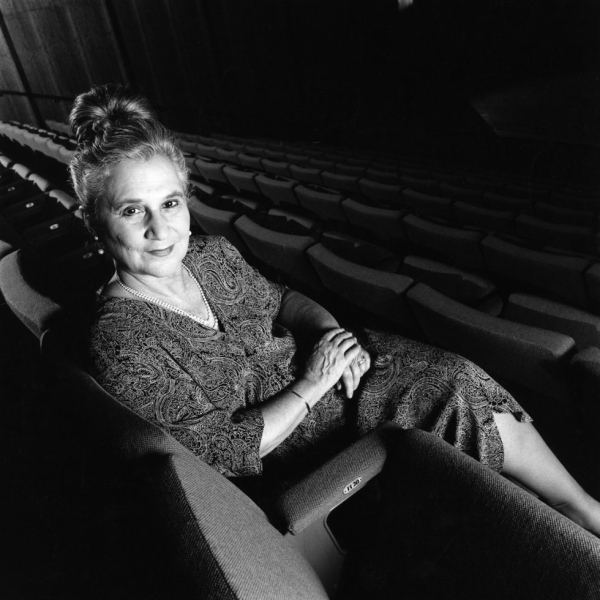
(304, 317)
(282, 413)
(308, 321)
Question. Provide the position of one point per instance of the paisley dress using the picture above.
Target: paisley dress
(205, 387)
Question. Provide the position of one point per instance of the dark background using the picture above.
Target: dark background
(440, 77)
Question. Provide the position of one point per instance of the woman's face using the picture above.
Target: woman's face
(144, 221)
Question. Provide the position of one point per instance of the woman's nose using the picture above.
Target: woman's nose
(157, 227)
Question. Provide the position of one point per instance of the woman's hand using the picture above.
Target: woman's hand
(333, 354)
(353, 372)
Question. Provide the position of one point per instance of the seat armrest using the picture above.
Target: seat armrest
(334, 482)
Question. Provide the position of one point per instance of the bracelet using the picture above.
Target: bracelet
(301, 398)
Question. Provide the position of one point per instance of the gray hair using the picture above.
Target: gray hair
(112, 124)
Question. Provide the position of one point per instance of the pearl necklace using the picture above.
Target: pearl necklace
(211, 322)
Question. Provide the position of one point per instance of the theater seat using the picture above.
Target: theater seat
(570, 237)
(488, 219)
(387, 194)
(428, 206)
(325, 203)
(518, 355)
(280, 190)
(462, 286)
(215, 221)
(241, 179)
(506, 202)
(550, 275)
(281, 251)
(306, 174)
(384, 222)
(212, 172)
(276, 167)
(582, 326)
(348, 184)
(460, 194)
(378, 292)
(451, 245)
(566, 216)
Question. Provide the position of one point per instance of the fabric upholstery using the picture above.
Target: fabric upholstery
(456, 530)
(531, 357)
(213, 541)
(582, 326)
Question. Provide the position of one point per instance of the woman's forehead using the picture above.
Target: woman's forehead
(143, 179)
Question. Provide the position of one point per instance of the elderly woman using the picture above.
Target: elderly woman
(249, 375)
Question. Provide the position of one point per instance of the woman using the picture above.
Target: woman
(249, 375)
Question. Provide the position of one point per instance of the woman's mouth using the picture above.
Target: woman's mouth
(161, 251)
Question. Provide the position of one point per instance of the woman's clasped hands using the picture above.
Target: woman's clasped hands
(337, 360)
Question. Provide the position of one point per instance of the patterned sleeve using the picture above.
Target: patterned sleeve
(145, 377)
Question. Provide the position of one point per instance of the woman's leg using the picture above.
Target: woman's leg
(528, 459)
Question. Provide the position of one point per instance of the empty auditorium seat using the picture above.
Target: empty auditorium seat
(529, 357)
(550, 275)
(206, 151)
(280, 190)
(282, 251)
(386, 223)
(276, 167)
(344, 183)
(323, 202)
(531, 192)
(361, 252)
(241, 179)
(212, 171)
(381, 294)
(564, 216)
(214, 221)
(488, 219)
(425, 186)
(577, 201)
(387, 194)
(274, 154)
(428, 206)
(582, 326)
(506, 202)
(572, 237)
(33, 210)
(462, 286)
(228, 156)
(454, 246)
(485, 185)
(302, 160)
(352, 170)
(250, 161)
(306, 174)
(389, 177)
(188, 146)
(322, 164)
(460, 194)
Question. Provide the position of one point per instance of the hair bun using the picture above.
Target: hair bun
(105, 107)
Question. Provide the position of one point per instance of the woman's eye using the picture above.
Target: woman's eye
(171, 203)
(130, 211)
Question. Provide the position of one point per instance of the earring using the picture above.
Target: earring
(190, 233)
(99, 244)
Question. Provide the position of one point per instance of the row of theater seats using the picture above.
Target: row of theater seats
(220, 543)
(45, 225)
